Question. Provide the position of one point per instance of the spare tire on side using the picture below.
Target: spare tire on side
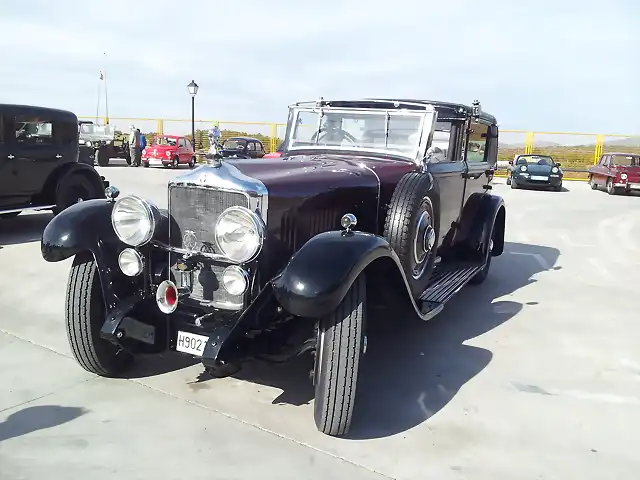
(412, 228)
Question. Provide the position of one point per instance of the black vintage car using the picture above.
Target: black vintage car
(242, 147)
(373, 201)
(39, 168)
(535, 171)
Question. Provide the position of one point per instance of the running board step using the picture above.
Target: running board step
(446, 281)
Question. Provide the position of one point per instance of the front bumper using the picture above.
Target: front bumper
(627, 185)
(552, 180)
(156, 161)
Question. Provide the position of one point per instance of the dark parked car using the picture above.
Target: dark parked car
(39, 168)
(242, 147)
(617, 172)
(535, 171)
(374, 201)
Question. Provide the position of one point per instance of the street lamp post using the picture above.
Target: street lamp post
(193, 89)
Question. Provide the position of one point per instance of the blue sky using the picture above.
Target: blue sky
(546, 65)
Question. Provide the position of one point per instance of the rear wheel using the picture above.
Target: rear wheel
(340, 346)
(85, 314)
(592, 183)
(73, 189)
(192, 162)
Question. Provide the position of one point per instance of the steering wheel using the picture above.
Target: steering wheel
(344, 134)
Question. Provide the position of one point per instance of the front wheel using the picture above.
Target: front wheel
(514, 185)
(611, 190)
(85, 314)
(175, 163)
(508, 180)
(340, 345)
(102, 157)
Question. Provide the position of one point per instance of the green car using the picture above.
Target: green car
(535, 171)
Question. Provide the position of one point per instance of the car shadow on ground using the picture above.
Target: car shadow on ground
(152, 365)
(412, 369)
(24, 228)
(36, 418)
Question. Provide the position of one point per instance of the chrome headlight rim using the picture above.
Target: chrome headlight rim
(523, 168)
(136, 256)
(258, 224)
(555, 170)
(150, 212)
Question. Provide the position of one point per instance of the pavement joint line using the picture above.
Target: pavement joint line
(35, 344)
(258, 427)
(40, 397)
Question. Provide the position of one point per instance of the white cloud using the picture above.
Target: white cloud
(533, 64)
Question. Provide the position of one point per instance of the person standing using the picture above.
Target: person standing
(134, 146)
(143, 140)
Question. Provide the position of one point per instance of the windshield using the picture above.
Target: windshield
(626, 160)
(234, 144)
(396, 133)
(535, 160)
(165, 141)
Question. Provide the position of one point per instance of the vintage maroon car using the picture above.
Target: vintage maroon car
(169, 151)
(617, 172)
(373, 201)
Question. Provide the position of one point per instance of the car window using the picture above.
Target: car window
(251, 146)
(32, 130)
(604, 160)
(233, 144)
(477, 143)
(259, 147)
(535, 160)
(625, 160)
(181, 142)
(187, 143)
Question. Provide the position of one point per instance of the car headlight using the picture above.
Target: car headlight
(134, 220)
(239, 234)
(168, 154)
(88, 144)
(554, 170)
(623, 176)
(523, 168)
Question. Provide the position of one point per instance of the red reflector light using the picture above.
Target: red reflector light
(167, 297)
(171, 296)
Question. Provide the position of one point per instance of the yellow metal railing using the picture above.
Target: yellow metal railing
(575, 150)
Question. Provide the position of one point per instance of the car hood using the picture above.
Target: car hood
(161, 148)
(538, 169)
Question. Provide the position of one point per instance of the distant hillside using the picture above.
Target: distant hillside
(633, 142)
(541, 143)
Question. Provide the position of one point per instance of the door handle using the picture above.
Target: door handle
(10, 157)
(472, 175)
(58, 156)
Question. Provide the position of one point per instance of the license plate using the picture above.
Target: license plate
(191, 343)
(538, 177)
(155, 161)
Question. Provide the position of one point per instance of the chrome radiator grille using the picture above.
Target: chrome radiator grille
(206, 290)
(194, 211)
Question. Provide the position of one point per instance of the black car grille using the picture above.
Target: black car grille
(194, 211)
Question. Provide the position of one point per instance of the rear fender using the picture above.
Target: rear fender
(481, 212)
(318, 276)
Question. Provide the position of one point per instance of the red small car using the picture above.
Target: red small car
(169, 151)
(276, 154)
(617, 172)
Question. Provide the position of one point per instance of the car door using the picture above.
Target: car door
(602, 171)
(8, 162)
(449, 174)
(182, 151)
(477, 158)
(36, 154)
(251, 149)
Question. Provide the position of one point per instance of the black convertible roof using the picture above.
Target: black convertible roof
(450, 109)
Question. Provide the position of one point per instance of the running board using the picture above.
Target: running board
(445, 282)
(26, 209)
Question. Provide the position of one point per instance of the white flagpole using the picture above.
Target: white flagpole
(106, 95)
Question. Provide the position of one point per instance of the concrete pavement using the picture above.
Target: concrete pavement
(533, 375)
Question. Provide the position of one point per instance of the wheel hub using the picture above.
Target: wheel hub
(423, 243)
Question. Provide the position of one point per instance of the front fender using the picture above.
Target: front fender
(318, 276)
(81, 227)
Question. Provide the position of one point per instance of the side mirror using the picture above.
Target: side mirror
(510, 162)
(558, 164)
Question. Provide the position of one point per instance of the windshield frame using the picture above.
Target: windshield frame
(427, 116)
(528, 156)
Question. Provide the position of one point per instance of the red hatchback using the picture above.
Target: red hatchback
(169, 151)
(617, 172)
